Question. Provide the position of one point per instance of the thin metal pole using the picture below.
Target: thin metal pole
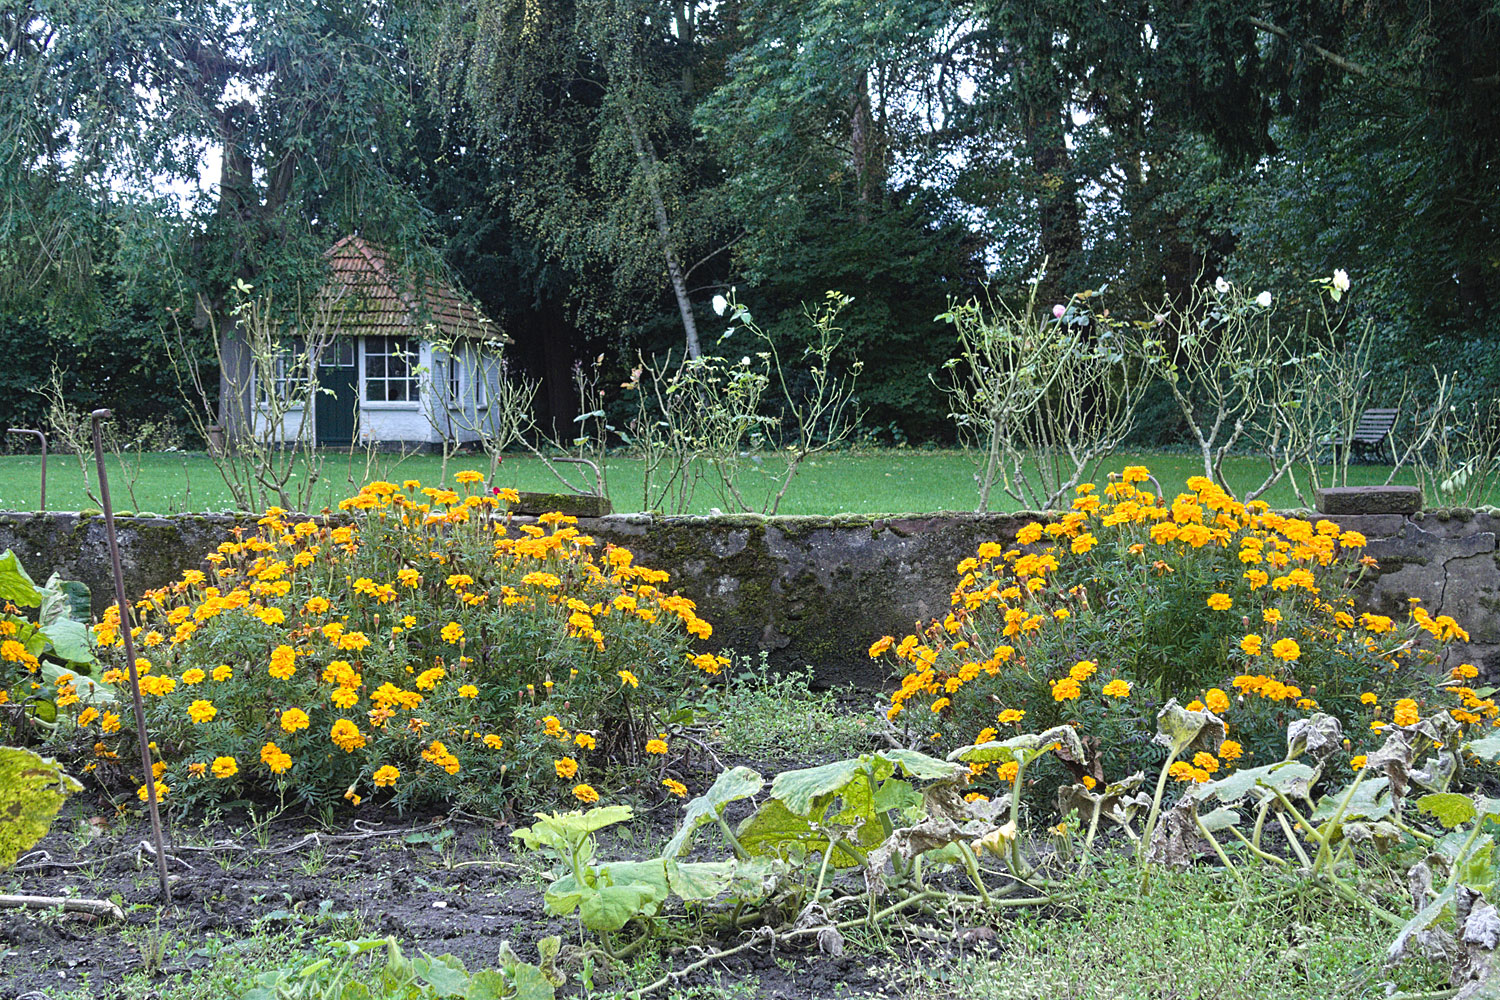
(149, 776)
(43, 436)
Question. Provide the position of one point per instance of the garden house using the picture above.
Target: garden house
(387, 359)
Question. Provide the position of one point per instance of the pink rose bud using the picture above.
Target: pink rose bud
(1058, 310)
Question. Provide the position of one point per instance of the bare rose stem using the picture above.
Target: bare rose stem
(149, 776)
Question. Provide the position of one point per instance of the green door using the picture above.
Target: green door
(338, 402)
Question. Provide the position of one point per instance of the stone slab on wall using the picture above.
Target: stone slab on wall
(818, 590)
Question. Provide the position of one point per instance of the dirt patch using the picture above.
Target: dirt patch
(437, 883)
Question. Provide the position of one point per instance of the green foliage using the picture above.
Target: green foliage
(1103, 618)
(398, 977)
(430, 647)
(32, 790)
(769, 715)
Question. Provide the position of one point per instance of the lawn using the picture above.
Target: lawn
(859, 482)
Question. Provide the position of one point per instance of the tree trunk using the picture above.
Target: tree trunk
(1056, 191)
(647, 161)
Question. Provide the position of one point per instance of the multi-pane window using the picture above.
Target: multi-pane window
(466, 369)
(289, 370)
(389, 365)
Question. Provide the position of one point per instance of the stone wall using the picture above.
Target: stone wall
(818, 590)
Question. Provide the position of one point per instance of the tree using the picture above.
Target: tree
(102, 107)
(589, 105)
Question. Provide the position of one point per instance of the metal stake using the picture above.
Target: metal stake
(43, 436)
(149, 776)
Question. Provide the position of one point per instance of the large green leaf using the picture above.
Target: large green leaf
(611, 907)
(32, 790)
(77, 599)
(773, 830)
(560, 829)
(1450, 808)
(1023, 748)
(808, 791)
(16, 585)
(920, 766)
(1368, 802)
(1177, 729)
(445, 975)
(735, 783)
(1485, 749)
(1237, 784)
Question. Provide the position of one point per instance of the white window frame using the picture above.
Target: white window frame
(408, 350)
(466, 370)
(291, 371)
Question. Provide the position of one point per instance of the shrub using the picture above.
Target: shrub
(1098, 618)
(430, 649)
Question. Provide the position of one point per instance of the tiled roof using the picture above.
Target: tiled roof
(373, 298)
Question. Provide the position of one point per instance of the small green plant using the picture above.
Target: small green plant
(769, 715)
(424, 977)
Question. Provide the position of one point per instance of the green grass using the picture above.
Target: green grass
(859, 482)
(769, 716)
(1193, 935)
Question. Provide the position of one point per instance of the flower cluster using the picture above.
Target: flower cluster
(426, 644)
(1127, 599)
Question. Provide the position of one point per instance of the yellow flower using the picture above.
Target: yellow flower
(110, 723)
(1405, 713)
(193, 676)
(225, 767)
(1231, 750)
(567, 767)
(626, 677)
(1204, 761)
(1008, 771)
(223, 672)
(316, 605)
(1220, 602)
(1065, 689)
(1286, 649)
(428, 679)
(1251, 644)
(584, 793)
(881, 645)
(161, 791)
(468, 477)
(202, 711)
(452, 633)
(283, 663)
(1368, 698)
(677, 788)
(1083, 670)
(294, 719)
(1271, 616)
(1117, 688)
(1216, 700)
(468, 691)
(656, 746)
(493, 742)
(1357, 762)
(346, 736)
(344, 697)
(1010, 715)
(385, 776)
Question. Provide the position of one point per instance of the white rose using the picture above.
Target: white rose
(1263, 300)
(1221, 285)
(1341, 279)
(720, 304)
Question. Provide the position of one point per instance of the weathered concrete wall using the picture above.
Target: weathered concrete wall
(817, 591)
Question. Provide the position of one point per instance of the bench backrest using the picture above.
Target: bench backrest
(1374, 426)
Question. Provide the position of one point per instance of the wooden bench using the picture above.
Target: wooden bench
(1372, 431)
